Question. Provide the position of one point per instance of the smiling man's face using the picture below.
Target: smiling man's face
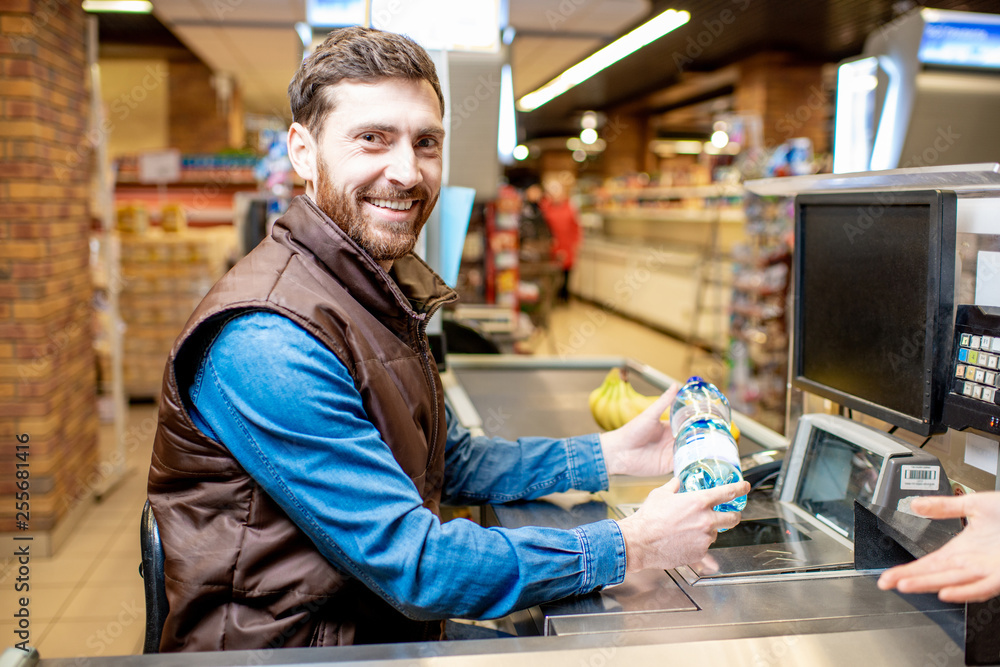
(378, 168)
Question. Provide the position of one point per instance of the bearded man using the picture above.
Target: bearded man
(304, 444)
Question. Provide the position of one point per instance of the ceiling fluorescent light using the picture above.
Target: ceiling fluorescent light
(623, 46)
(130, 6)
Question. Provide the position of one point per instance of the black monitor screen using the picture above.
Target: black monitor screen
(874, 302)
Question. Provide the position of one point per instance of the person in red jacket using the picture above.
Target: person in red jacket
(562, 220)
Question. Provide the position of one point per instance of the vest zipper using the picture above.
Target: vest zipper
(425, 353)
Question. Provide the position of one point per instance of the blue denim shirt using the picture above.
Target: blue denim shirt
(288, 410)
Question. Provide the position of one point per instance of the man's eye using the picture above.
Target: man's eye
(368, 137)
(427, 143)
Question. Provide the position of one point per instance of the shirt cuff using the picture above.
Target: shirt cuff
(603, 553)
(585, 461)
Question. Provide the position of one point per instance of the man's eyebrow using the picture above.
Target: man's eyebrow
(437, 132)
(386, 128)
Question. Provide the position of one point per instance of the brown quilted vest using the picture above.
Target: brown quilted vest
(239, 573)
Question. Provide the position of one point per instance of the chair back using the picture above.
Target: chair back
(151, 571)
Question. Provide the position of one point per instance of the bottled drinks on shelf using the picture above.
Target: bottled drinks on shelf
(705, 452)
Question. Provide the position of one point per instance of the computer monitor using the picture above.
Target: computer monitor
(874, 302)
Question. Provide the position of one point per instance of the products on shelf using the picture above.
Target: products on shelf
(163, 278)
(173, 218)
(759, 328)
(502, 249)
(132, 219)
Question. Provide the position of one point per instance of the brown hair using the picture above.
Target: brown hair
(364, 54)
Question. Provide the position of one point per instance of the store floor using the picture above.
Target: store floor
(88, 599)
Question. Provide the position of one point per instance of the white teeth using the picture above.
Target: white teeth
(394, 204)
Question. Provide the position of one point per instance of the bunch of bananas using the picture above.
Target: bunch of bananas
(616, 401)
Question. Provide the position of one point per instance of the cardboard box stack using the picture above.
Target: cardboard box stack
(164, 277)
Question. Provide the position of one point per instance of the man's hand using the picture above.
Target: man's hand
(645, 445)
(967, 568)
(673, 529)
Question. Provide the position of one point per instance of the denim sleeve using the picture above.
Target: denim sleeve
(287, 409)
(480, 469)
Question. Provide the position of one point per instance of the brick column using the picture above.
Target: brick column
(197, 124)
(47, 376)
(627, 137)
(790, 97)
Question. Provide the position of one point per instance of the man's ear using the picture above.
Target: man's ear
(302, 152)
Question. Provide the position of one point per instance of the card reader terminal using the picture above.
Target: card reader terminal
(974, 398)
(834, 461)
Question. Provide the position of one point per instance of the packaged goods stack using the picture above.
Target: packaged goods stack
(759, 326)
(164, 276)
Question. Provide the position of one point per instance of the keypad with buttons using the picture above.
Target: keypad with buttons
(973, 400)
(976, 373)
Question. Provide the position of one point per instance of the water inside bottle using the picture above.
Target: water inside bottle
(698, 398)
(710, 473)
(706, 456)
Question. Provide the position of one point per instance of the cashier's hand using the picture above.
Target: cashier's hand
(671, 529)
(644, 446)
(967, 568)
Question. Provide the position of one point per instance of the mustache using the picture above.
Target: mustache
(417, 192)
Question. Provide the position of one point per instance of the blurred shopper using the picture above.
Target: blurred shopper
(564, 224)
(967, 568)
(533, 231)
(304, 444)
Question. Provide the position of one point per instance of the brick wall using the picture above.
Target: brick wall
(47, 383)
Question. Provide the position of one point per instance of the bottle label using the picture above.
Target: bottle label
(711, 445)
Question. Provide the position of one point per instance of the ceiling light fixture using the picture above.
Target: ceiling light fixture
(719, 139)
(610, 54)
(127, 6)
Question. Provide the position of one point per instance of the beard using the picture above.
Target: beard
(381, 239)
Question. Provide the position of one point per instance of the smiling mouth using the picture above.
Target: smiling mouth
(394, 204)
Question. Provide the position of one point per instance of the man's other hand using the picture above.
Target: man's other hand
(645, 445)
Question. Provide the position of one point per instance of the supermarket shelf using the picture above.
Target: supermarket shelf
(693, 215)
(683, 192)
(220, 180)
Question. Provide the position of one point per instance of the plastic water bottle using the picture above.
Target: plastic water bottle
(698, 399)
(705, 452)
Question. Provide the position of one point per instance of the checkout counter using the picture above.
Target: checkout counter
(782, 589)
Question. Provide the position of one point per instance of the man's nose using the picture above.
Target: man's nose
(403, 169)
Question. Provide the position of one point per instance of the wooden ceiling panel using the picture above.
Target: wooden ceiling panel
(551, 36)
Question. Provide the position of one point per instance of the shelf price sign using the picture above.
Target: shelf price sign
(160, 166)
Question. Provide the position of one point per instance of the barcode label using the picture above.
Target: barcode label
(920, 478)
